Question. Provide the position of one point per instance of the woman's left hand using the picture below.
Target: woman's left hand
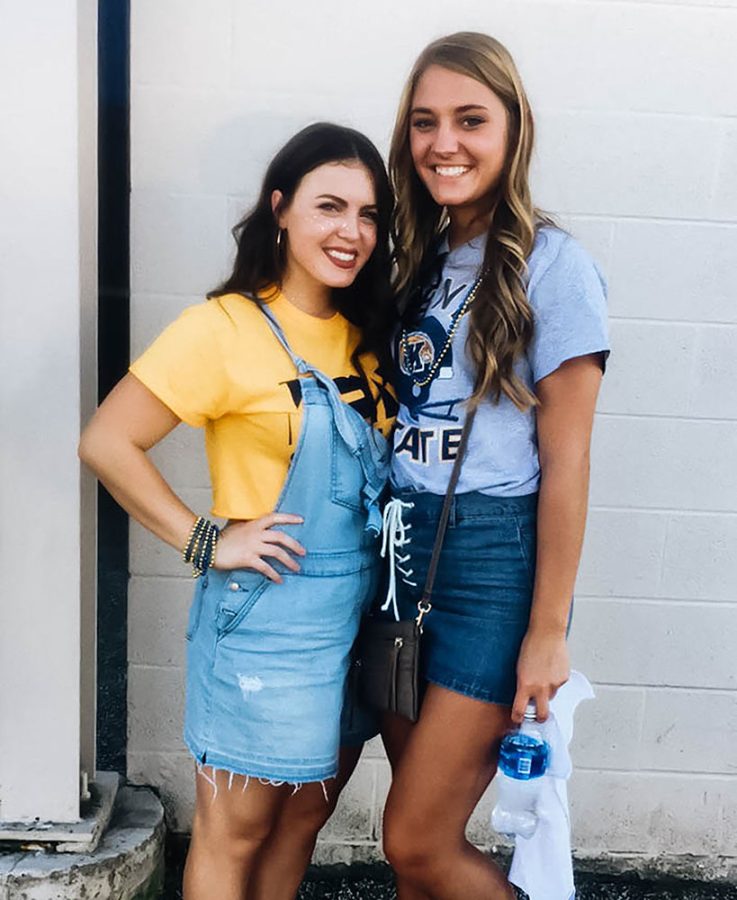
(542, 667)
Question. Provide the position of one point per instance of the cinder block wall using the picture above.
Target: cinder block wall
(637, 153)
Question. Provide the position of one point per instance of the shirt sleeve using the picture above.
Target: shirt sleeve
(569, 305)
(185, 367)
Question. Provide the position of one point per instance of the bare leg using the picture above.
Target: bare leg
(232, 821)
(281, 864)
(446, 764)
(395, 734)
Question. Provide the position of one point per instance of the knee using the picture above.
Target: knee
(308, 814)
(319, 815)
(230, 842)
(407, 851)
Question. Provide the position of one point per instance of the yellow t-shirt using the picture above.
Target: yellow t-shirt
(219, 365)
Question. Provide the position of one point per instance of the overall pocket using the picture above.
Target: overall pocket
(239, 593)
(346, 475)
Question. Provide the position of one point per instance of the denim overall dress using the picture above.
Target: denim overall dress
(267, 662)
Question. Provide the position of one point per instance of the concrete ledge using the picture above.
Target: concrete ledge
(127, 864)
(78, 837)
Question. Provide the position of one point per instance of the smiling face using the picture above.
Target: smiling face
(330, 225)
(458, 139)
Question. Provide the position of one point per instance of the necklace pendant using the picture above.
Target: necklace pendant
(416, 390)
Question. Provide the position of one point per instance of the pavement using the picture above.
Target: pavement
(375, 882)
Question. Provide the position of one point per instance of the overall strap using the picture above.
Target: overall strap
(343, 421)
(302, 367)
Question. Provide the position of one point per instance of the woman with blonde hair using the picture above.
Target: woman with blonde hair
(504, 316)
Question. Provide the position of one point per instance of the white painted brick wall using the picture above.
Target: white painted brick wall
(637, 153)
(670, 270)
(725, 195)
(652, 641)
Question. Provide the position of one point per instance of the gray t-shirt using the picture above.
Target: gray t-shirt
(568, 298)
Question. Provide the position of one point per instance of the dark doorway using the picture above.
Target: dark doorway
(113, 359)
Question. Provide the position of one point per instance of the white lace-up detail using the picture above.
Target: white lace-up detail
(394, 536)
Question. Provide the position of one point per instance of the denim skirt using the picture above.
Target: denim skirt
(483, 587)
(267, 662)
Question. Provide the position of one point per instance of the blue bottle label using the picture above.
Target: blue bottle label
(523, 757)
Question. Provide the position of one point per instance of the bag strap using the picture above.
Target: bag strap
(424, 606)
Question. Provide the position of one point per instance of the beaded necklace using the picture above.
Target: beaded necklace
(454, 324)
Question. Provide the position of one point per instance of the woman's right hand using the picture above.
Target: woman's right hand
(243, 545)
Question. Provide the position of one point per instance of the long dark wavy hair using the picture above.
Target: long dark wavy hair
(260, 263)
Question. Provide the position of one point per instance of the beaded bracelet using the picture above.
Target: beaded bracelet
(205, 554)
(200, 523)
(201, 544)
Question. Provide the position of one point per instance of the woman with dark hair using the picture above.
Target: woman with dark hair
(284, 366)
(504, 317)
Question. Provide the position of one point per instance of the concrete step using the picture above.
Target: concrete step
(128, 863)
(80, 837)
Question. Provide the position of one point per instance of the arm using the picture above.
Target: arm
(564, 422)
(130, 421)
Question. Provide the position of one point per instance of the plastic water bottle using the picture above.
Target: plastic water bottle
(523, 760)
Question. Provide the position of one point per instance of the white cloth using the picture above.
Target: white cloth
(542, 865)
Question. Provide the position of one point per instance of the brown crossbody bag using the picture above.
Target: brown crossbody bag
(388, 653)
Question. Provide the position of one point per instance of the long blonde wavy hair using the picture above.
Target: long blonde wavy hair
(501, 323)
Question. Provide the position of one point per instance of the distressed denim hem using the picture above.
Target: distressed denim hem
(261, 769)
